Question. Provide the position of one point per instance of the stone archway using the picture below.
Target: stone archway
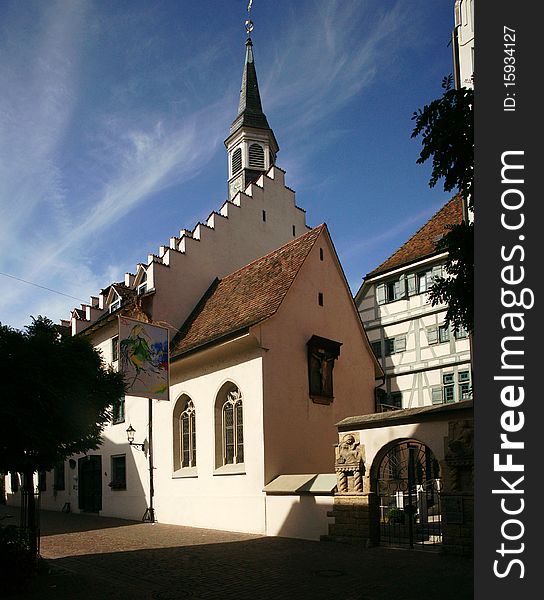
(407, 482)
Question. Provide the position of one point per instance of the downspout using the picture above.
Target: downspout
(378, 386)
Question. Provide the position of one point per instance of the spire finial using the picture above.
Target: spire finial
(249, 22)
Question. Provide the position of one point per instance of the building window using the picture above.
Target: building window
(461, 333)
(188, 436)
(392, 290)
(376, 348)
(184, 422)
(233, 428)
(321, 356)
(446, 392)
(438, 335)
(115, 304)
(118, 411)
(395, 399)
(320, 298)
(394, 345)
(118, 472)
(114, 348)
(236, 161)
(443, 334)
(424, 281)
(264, 216)
(58, 477)
(256, 156)
(294, 231)
(465, 391)
(320, 253)
(141, 288)
(42, 481)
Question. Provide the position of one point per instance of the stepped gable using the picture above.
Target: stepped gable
(246, 297)
(180, 244)
(422, 243)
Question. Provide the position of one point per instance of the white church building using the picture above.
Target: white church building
(267, 354)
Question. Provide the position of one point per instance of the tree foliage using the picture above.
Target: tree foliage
(447, 129)
(56, 398)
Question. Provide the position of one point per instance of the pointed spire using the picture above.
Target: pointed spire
(251, 144)
(250, 110)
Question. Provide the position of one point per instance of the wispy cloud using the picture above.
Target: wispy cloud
(354, 248)
(319, 66)
(46, 219)
(318, 69)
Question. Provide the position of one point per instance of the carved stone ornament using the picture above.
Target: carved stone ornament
(459, 456)
(349, 464)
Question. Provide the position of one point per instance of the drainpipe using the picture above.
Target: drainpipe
(376, 388)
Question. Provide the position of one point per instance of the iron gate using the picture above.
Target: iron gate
(409, 493)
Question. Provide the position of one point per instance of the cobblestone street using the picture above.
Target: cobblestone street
(93, 557)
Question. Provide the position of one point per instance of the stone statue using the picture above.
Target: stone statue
(349, 461)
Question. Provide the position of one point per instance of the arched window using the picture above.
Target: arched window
(236, 161)
(184, 422)
(229, 426)
(256, 156)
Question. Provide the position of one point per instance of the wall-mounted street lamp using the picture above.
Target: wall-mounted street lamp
(130, 437)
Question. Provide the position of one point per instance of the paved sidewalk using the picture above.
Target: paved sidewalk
(99, 558)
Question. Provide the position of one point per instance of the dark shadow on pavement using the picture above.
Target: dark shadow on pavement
(257, 569)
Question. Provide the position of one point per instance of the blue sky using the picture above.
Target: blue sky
(113, 115)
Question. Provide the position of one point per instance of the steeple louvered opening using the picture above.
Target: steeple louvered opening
(236, 161)
(256, 156)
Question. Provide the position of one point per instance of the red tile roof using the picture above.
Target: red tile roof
(422, 243)
(246, 297)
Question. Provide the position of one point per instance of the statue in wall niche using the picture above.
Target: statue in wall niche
(349, 464)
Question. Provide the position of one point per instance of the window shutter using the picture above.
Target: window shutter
(411, 283)
(236, 164)
(400, 344)
(402, 287)
(436, 395)
(256, 156)
(380, 293)
(436, 272)
(432, 335)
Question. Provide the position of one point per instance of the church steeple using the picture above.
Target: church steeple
(251, 145)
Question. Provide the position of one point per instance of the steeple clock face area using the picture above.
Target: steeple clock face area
(236, 185)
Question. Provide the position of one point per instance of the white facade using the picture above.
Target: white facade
(424, 362)
(285, 431)
(463, 43)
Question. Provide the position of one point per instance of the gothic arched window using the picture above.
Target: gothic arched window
(232, 427)
(184, 423)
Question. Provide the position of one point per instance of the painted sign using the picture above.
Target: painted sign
(143, 358)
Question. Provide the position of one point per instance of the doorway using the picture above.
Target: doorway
(90, 483)
(409, 497)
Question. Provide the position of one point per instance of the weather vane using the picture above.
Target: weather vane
(249, 22)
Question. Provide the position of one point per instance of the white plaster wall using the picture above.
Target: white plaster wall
(211, 497)
(298, 516)
(420, 367)
(299, 434)
(431, 434)
(465, 32)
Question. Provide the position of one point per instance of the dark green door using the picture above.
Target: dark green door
(90, 483)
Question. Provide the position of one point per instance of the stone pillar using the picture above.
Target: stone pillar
(457, 496)
(355, 509)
